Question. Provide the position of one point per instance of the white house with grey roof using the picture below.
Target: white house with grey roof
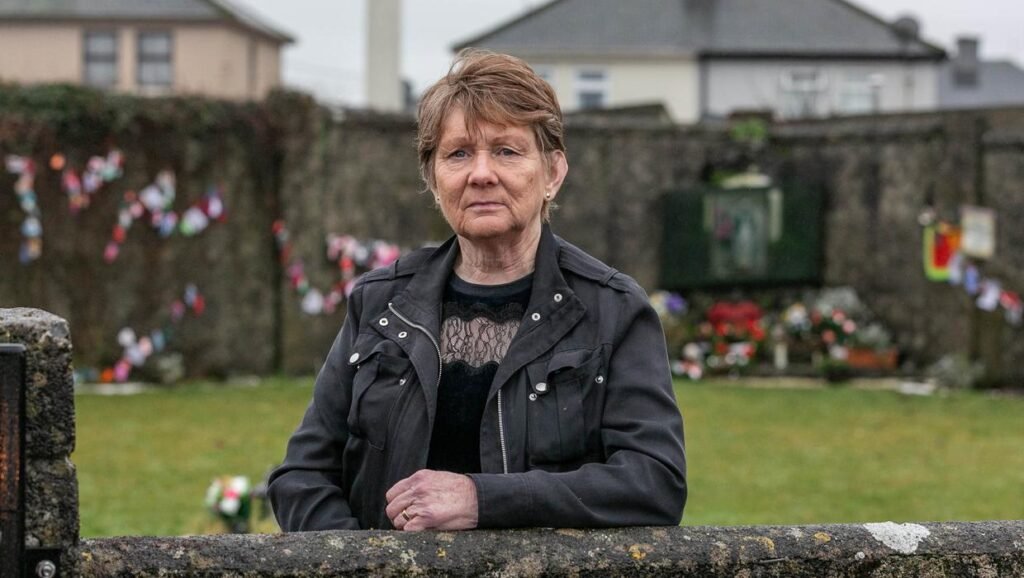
(208, 47)
(705, 59)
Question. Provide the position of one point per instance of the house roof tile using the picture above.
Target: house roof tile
(724, 28)
(178, 10)
(999, 83)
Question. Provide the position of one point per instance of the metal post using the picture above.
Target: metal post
(12, 464)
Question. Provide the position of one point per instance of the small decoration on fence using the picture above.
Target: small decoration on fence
(347, 252)
(98, 171)
(229, 498)
(136, 349)
(157, 199)
(24, 188)
(941, 242)
(947, 252)
(979, 231)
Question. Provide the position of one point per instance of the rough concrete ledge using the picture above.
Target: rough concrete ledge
(863, 550)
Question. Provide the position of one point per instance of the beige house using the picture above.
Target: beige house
(149, 47)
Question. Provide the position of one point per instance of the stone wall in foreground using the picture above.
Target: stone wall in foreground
(862, 550)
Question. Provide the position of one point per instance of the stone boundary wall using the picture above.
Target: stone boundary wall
(879, 173)
(862, 550)
(51, 484)
(289, 158)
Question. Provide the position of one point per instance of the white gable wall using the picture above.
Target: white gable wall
(672, 81)
(762, 84)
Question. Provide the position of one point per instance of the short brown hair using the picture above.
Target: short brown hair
(494, 88)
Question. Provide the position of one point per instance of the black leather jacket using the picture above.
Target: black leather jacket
(581, 428)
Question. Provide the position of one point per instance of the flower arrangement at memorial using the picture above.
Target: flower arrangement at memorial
(736, 332)
(726, 338)
(229, 498)
(829, 330)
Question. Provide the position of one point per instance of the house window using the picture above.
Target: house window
(100, 50)
(545, 72)
(802, 92)
(591, 89)
(155, 59)
(861, 93)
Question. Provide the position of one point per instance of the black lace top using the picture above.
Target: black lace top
(478, 323)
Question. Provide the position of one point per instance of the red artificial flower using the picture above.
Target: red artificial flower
(199, 305)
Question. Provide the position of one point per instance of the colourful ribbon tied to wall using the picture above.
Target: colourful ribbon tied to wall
(940, 243)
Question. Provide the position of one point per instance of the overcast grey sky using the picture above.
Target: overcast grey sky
(328, 55)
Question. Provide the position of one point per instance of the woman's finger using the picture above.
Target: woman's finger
(401, 502)
(397, 489)
(416, 524)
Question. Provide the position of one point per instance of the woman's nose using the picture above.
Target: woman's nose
(482, 170)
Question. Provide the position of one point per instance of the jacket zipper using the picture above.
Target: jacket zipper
(437, 348)
(433, 341)
(501, 436)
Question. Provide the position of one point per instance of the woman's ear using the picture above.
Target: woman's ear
(558, 167)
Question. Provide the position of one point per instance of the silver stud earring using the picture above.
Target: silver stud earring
(547, 196)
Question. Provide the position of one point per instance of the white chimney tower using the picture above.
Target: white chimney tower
(383, 49)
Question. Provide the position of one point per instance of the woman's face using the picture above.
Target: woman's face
(491, 180)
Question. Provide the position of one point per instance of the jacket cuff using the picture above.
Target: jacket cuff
(503, 500)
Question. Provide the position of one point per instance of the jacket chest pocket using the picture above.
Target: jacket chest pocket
(382, 375)
(557, 425)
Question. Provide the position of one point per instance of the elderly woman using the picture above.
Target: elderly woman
(503, 379)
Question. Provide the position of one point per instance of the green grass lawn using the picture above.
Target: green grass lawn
(756, 456)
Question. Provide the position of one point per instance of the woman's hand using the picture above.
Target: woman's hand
(429, 500)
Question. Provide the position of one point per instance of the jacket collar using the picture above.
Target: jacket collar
(422, 296)
(553, 311)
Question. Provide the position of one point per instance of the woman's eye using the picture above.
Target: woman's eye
(457, 154)
(507, 152)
